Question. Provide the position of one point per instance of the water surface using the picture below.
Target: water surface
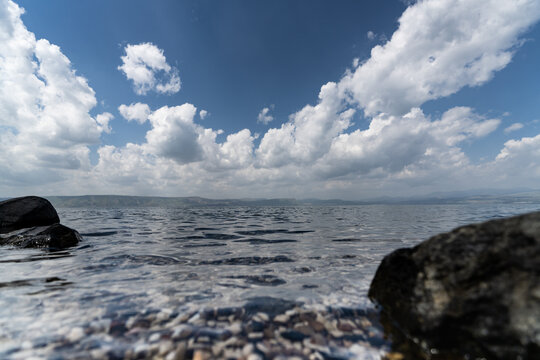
(137, 261)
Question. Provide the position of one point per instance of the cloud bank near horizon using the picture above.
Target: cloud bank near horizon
(46, 125)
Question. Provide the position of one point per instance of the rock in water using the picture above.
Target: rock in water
(26, 212)
(473, 291)
(32, 222)
(53, 237)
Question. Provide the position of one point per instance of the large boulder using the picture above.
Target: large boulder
(26, 212)
(474, 291)
(55, 237)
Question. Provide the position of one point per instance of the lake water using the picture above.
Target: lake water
(179, 261)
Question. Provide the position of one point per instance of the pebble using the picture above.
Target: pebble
(255, 335)
(214, 333)
(248, 349)
(254, 357)
(282, 319)
(201, 355)
(346, 325)
(262, 317)
(75, 334)
(394, 356)
(182, 332)
(165, 347)
(235, 328)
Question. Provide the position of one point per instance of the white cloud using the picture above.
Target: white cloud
(138, 112)
(44, 107)
(371, 35)
(440, 47)
(518, 163)
(264, 116)
(393, 145)
(103, 121)
(309, 133)
(174, 135)
(526, 149)
(401, 148)
(513, 127)
(147, 67)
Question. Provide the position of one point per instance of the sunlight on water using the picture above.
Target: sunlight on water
(136, 261)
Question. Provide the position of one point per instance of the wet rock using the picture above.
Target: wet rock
(56, 236)
(293, 335)
(255, 326)
(26, 212)
(474, 290)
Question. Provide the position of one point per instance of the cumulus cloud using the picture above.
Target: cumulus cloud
(513, 127)
(526, 149)
(174, 135)
(103, 121)
(135, 112)
(309, 132)
(44, 106)
(264, 116)
(394, 144)
(371, 35)
(439, 47)
(517, 163)
(146, 66)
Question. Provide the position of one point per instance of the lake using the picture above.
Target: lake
(161, 266)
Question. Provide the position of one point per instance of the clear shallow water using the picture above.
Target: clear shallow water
(179, 260)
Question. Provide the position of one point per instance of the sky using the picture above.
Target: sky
(240, 98)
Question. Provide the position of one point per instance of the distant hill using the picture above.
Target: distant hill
(120, 201)
(112, 201)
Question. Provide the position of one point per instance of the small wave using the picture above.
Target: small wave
(262, 232)
(250, 260)
(203, 245)
(368, 240)
(47, 256)
(141, 259)
(31, 282)
(300, 231)
(218, 236)
(99, 233)
(264, 280)
(265, 241)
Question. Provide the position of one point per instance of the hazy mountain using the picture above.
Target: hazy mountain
(111, 201)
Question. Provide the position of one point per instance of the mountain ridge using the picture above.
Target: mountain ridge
(108, 201)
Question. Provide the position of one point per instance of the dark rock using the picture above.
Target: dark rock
(53, 237)
(26, 212)
(293, 335)
(255, 326)
(474, 291)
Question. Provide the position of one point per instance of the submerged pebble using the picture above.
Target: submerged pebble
(247, 332)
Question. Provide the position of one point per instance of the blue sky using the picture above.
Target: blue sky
(234, 57)
(297, 103)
